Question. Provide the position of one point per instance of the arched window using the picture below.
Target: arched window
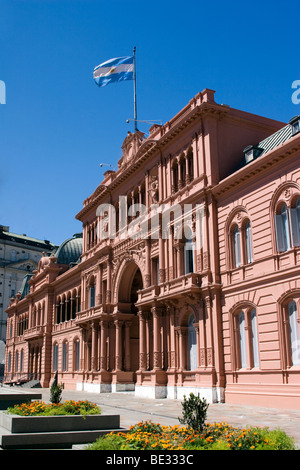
(77, 354)
(248, 242)
(254, 338)
(55, 357)
(246, 340)
(295, 223)
(92, 294)
(192, 344)
(236, 247)
(243, 350)
(9, 362)
(294, 332)
(282, 229)
(189, 253)
(65, 356)
(21, 360)
(17, 361)
(175, 177)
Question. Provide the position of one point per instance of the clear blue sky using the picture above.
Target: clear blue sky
(57, 126)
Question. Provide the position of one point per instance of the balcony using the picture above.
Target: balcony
(34, 333)
(188, 283)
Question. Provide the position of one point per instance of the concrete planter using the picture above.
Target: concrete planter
(34, 432)
(32, 424)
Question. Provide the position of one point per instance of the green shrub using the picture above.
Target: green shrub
(108, 442)
(194, 412)
(55, 393)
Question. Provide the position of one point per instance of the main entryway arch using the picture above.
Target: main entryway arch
(126, 320)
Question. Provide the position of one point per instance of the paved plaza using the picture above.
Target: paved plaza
(166, 411)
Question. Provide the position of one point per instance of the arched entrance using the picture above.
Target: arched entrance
(127, 326)
(131, 281)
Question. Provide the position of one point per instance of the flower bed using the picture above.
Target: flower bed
(40, 408)
(217, 436)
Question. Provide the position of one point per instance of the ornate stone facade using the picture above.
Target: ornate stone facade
(161, 302)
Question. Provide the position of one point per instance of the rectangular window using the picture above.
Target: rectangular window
(55, 358)
(92, 296)
(77, 352)
(243, 352)
(65, 356)
(237, 248)
(254, 339)
(295, 226)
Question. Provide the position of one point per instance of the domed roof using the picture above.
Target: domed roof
(70, 250)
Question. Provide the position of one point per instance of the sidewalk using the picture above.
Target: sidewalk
(166, 411)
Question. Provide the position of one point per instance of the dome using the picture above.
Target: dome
(70, 250)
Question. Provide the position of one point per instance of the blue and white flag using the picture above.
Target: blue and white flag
(114, 70)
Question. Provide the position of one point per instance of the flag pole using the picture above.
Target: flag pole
(134, 87)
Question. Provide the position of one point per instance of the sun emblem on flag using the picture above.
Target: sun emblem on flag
(112, 70)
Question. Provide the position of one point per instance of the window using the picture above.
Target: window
(236, 248)
(282, 230)
(21, 360)
(242, 342)
(287, 227)
(192, 344)
(77, 355)
(189, 256)
(248, 243)
(254, 338)
(295, 124)
(65, 356)
(247, 347)
(295, 223)
(17, 361)
(294, 332)
(55, 357)
(92, 295)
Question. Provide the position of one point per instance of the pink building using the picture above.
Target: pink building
(186, 276)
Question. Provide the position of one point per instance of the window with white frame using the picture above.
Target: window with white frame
(65, 356)
(294, 333)
(287, 226)
(246, 339)
(55, 357)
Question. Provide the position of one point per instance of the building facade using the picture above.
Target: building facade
(186, 276)
(19, 255)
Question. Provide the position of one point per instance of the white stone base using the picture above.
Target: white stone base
(122, 388)
(160, 391)
(211, 395)
(93, 388)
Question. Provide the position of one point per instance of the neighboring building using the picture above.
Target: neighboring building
(19, 255)
(208, 303)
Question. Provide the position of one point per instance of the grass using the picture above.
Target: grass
(218, 436)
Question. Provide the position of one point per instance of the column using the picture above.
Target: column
(156, 338)
(147, 263)
(118, 351)
(142, 341)
(103, 364)
(94, 345)
(108, 294)
(127, 345)
(161, 255)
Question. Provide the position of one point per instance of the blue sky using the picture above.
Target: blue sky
(57, 126)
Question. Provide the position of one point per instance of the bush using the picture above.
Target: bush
(217, 436)
(108, 442)
(55, 393)
(194, 412)
(70, 407)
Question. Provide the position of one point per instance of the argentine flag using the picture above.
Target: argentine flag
(114, 70)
